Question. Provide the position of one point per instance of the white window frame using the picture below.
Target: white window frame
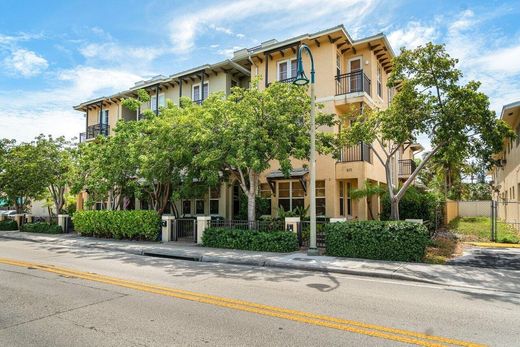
(289, 68)
(379, 80)
(154, 97)
(200, 90)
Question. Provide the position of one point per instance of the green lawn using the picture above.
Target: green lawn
(479, 229)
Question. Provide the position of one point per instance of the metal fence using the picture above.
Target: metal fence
(304, 231)
(505, 215)
(184, 229)
(259, 225)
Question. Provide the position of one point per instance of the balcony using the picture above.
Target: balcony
(406, 167)
(353, 82)
(288, 80)
(94, 130)
(359, 152)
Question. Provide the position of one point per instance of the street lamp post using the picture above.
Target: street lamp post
(301, 79)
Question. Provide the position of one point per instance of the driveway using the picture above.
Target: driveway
(496, 258)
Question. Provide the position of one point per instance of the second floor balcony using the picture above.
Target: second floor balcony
(353, 82)
(359, 152)
(406, 167)
(93, 131)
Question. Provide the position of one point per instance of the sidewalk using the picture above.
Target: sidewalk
(452, 275)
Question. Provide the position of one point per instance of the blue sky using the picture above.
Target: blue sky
(55, 54)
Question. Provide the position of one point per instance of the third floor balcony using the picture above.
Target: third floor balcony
(406, 167)
(353, 82)
(359, 152)
(93, 131)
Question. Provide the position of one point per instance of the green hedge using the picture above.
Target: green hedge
(41, 227)
(8, 224)
(133, 225)
(264, 241)
(400, 241)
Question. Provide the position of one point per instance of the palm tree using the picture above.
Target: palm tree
(367, 191)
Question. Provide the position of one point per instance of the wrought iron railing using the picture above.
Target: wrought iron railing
(406, 167)
(259, 225)
(359, 152)
(199, 101)
(353, 82)
(95, 130)
(288, 80)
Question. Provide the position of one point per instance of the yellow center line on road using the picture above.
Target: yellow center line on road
(273, 311)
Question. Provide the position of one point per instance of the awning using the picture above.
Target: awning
(296, 173)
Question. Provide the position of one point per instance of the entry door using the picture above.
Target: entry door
(355, 78)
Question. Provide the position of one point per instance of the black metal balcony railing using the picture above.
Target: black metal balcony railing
(360, 152)
(406, 167)
(288, 80)
(199, 101)
(97, 129)
(353, 82)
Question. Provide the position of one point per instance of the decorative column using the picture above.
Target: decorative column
(167, 227)
(203, 222)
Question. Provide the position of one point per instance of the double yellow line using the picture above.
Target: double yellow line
(266, 310)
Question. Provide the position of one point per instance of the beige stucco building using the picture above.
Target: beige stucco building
(506, 174)
(350, 75)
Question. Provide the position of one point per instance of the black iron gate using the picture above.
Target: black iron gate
(505, 220)
(184, 229)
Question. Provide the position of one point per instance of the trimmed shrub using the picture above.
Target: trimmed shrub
(8, 224)
(133, 225)
(41, 227)
(250, 240)
(402, 241)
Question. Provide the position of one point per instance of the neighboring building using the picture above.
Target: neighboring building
(351, 75)
(506, 174)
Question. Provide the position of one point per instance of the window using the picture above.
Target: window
(349, 200)
(186, 207)
(196, 95)
(320, 198)
(103, 116)
(199, 207)
(341, 199)
(266, 193)
(287, 69)
(379, 81)
(153, 101)
(338, 64)
(290, 195)
(214, 198)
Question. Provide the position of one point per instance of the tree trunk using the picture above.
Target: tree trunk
(251, 208)
(394, 209)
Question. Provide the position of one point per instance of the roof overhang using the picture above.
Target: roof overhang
(296, 173)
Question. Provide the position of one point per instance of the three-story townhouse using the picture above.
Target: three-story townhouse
(351, 76)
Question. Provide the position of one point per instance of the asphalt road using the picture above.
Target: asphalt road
(49, 297)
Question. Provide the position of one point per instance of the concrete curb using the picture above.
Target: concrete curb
(264, 260)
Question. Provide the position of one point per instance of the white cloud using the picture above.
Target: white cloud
(183, 32)
(26, 114)
(111, 51)
(413, 35)
(505, 60)
(24, 62)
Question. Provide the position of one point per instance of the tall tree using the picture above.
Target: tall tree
(243, 134)
(432, 100)
(21, 179)
(56, 160)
